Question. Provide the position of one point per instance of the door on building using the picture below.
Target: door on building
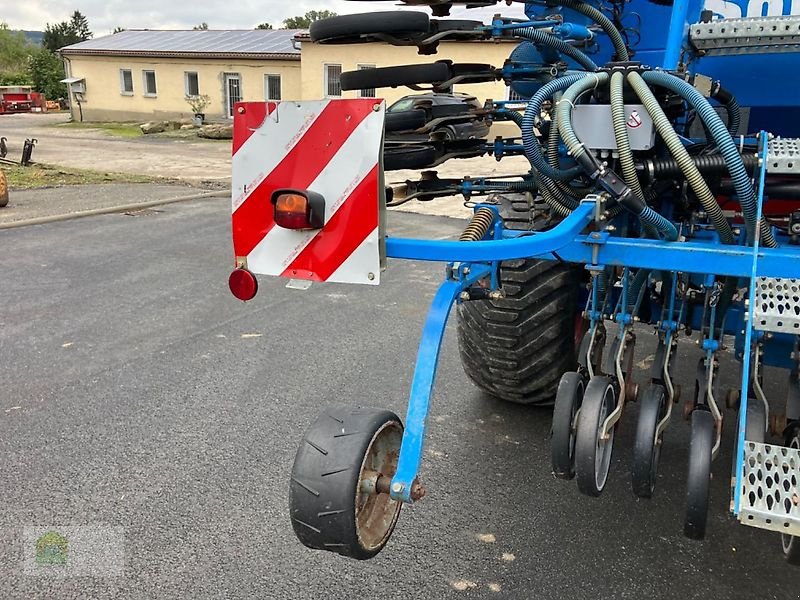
(233, 91)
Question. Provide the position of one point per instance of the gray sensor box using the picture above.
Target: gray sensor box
(592, 124)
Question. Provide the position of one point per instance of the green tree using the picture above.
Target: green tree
(46, 72)
(202, 27)
(14, 53)
(118, 30)
(66, 33)
(263, 26)
(305, 21)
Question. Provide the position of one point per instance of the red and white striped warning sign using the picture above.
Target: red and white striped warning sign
(331, 147)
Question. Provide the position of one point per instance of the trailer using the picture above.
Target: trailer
(663, 194)
(15, 99)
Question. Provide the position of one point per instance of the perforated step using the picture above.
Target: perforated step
(783, 155)
(777, 305)
(770, 497)
(749, 35)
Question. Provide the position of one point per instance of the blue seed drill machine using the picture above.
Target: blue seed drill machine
(663, 191)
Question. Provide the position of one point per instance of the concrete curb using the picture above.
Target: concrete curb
(112, 209)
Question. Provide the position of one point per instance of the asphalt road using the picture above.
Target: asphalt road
(137, 393)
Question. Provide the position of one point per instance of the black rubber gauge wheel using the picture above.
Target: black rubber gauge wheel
(562, 445)
(347, 29)
(699, 474)
(331, 503)
(405, 120)
(408, 157)
(646, 447)
(426, 73)
(592, 453)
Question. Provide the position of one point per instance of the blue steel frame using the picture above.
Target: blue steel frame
(471, 262)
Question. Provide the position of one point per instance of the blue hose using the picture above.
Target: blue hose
(531, 145)
(744, 190)
(666, 230)
(537, 36)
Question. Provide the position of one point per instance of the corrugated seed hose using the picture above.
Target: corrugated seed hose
(577, 150)
(532, 113)
(727, 147)
(618, 120)
(685, 162)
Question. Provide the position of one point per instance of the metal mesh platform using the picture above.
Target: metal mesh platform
(770, 497)
(783, 155)
(749, 35)
(777, 305)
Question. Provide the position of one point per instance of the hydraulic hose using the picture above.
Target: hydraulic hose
(678, 151)
(532, 149)
(537, 36)
(607, 179)
(744, 190)
(605, 23)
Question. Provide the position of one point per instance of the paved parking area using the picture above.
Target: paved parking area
(138, 394)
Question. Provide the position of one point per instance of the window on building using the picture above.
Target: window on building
(333, 80)
(126, 82)
(192, 83)
(272, 87)
(366, 92)
(149, 83)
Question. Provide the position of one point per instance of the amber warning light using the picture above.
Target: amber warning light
(295, 209)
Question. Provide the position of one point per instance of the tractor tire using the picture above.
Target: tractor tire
(517, 348)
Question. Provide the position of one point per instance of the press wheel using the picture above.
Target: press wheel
(562, 445)
(699, 474)
(647, 446)
(592, 453)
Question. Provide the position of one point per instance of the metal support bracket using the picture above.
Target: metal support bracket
(425, 374)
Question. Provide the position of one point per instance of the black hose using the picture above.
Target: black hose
(728, 100)
(707, 164)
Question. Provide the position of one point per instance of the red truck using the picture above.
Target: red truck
(15, 99)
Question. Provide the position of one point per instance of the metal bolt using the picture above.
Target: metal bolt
(497, 295)
(376, 107)
(397, 488)
(464, 296)
(371, 276)
(241, 110)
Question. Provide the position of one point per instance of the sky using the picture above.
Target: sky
(105, 15)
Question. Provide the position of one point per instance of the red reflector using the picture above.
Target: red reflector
(243, 284)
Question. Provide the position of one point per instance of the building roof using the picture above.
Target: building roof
(262, 44)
